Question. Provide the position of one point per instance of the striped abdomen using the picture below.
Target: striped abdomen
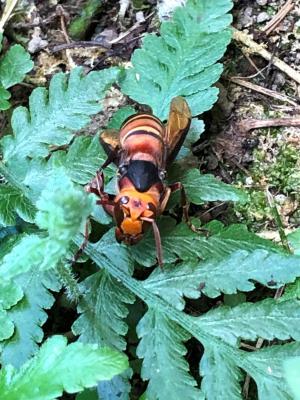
(141, 136)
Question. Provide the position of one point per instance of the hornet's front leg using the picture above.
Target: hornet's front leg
(96, 186)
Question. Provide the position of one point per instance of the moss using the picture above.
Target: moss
(280, 171)
(276, 168)
(256, 210)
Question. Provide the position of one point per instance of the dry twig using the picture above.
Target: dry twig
(9, 7)
(265, 91)
(247, 125)
(282, 13)
(256, 48)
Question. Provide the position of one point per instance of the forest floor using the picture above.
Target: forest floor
(264, 161)
(259, 160)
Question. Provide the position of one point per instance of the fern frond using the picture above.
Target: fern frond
(180, 243)
(103, 310)
(62, 210)
(53, 116)
(221, 376)
(182, 60)
(236, 272)
(28, 316)
(267, 319)
(50, 371)
(161, 347)
(13, 202)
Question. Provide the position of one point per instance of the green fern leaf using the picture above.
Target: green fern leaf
(236, 272)
(118, 388)
(221, 376)
(111, 250)
(268, 371)
(294, 241)
(10, 294)
(103, 310)
(49, 373)
(12, 202)
(161, 347)
(52, 118)
(181, 61)
(6, 325)
(179, 242)
(14, 65)
(265, 366)
(28, 316)
(80, 163)
(202, 188)
(4, 97)
(268, 319)
(292, 370)
(119, 117)
(62, 210)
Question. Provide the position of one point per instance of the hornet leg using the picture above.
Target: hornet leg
(185, 207)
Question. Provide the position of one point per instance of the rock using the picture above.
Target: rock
(36, 43)
(262, 17)
(139, 16)
(249, 181)
(279, 79)
(280, 199)
(261, 2)
(247, 19)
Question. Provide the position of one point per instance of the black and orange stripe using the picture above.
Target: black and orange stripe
(141, 124)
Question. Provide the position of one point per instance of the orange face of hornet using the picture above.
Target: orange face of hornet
(142, 149)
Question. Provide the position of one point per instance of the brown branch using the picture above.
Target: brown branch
(256, 48)
(265, 91)
(79, 44)
(248, 124)
(281, 14)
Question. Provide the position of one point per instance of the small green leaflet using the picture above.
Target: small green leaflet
(268, 370)
(201, 188)
(59, 367)
(10, 295)
(28, 316)
(164, 364)
(267, 319)
(221, 377)
(119, 117)
(12, 202)
(6, 326)
(13, 66)
(182, 60)
(292, 375)
(294, 241)
(62, 210)
(179, 242)
(103, 310)
(238, 271)
(84, 157)
(54, 115)
(4, 96)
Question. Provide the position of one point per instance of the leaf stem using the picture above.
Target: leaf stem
(9, 7)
